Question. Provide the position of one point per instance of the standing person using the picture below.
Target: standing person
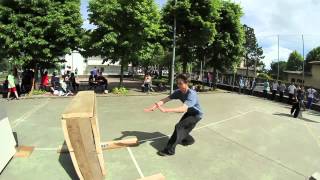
(292, 88)
(95, 71)
(193, 114)
(210, 80)
(44, 81)
(74, 83)
(102, 82)
(265, 89)
(282, 89)
(241, 84)
(275, 87)
(311, 92)
(253, 86)
(298, 100)
(11, 87)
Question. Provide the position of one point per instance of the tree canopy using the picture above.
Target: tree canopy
(195, 26)
(313, 55)
(253, 53)
(39, 32)
(274, 69)
(127, 31)
(295, 61)
(227, 50)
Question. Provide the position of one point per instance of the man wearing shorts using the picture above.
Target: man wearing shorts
(11, 87)
(192, 115)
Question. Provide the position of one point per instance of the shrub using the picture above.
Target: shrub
(120, 91)
(39, 92)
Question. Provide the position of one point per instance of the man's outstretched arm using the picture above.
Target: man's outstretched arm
(181, 109)
(158, 104)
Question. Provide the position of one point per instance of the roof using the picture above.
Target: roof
(293, 72)
(314, 62)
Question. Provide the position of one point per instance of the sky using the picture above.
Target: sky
(287, 18)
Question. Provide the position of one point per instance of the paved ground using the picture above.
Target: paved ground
(240, 137)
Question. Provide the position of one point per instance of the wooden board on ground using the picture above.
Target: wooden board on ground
(154, 177)
(24, 151)
(81, 132)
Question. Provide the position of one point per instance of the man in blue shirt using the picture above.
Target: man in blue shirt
(193, 114)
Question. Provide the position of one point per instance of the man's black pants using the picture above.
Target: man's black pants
(290, 98)
(181, 132)
(274, 93)
(281, 96)
(296, 109)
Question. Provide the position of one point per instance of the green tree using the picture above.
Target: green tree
(39, 32)
(274, 69)
(295, 61)
(227, 50)
(127, 31)
(195, 26)
(253, 53)
(313, 55)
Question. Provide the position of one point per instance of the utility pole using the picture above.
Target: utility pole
(303, 59)
(278, 58)
(174, 48)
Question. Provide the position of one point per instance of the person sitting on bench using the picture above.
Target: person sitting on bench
(102, 82)
(92, 81)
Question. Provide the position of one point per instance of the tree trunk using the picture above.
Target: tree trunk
(121, 76)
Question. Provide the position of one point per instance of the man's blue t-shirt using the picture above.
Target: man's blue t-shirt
(190, 99)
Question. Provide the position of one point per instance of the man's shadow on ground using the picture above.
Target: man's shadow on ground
(158, 140)
(299, 118)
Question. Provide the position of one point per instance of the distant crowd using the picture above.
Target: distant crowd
(67, 84)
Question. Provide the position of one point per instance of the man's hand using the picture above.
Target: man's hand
(152, 108)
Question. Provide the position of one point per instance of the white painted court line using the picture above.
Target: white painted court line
(222, 121)
(26, 115)
(204, 126)
(135, 162)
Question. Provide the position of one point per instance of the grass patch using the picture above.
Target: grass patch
(120, 91)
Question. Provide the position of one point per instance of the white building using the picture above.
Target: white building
(85, 65)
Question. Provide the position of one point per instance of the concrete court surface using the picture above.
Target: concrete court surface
(240, 137)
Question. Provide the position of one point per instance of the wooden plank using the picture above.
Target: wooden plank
(82, 141)
(154, 177)
(106, 145)
(24, 151)
(81, 106)
(69, 146)
(119, 144)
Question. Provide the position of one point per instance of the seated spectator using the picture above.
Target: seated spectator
(74, 82)
(92, 81)
(55, 82)
(102, 82)
(147, 82)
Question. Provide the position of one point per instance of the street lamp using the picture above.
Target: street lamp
(174, 48)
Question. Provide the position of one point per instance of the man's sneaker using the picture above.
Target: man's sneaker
(164, 152)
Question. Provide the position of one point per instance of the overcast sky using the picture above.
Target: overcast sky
(287, 18)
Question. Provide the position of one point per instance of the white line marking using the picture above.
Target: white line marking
(135, 162)
(207, 125)
(222, 121)
(45, 149)
(26, 115)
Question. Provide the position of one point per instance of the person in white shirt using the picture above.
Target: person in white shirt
(275, 86)
(292, 89)
(311, 92)
(282, 89)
